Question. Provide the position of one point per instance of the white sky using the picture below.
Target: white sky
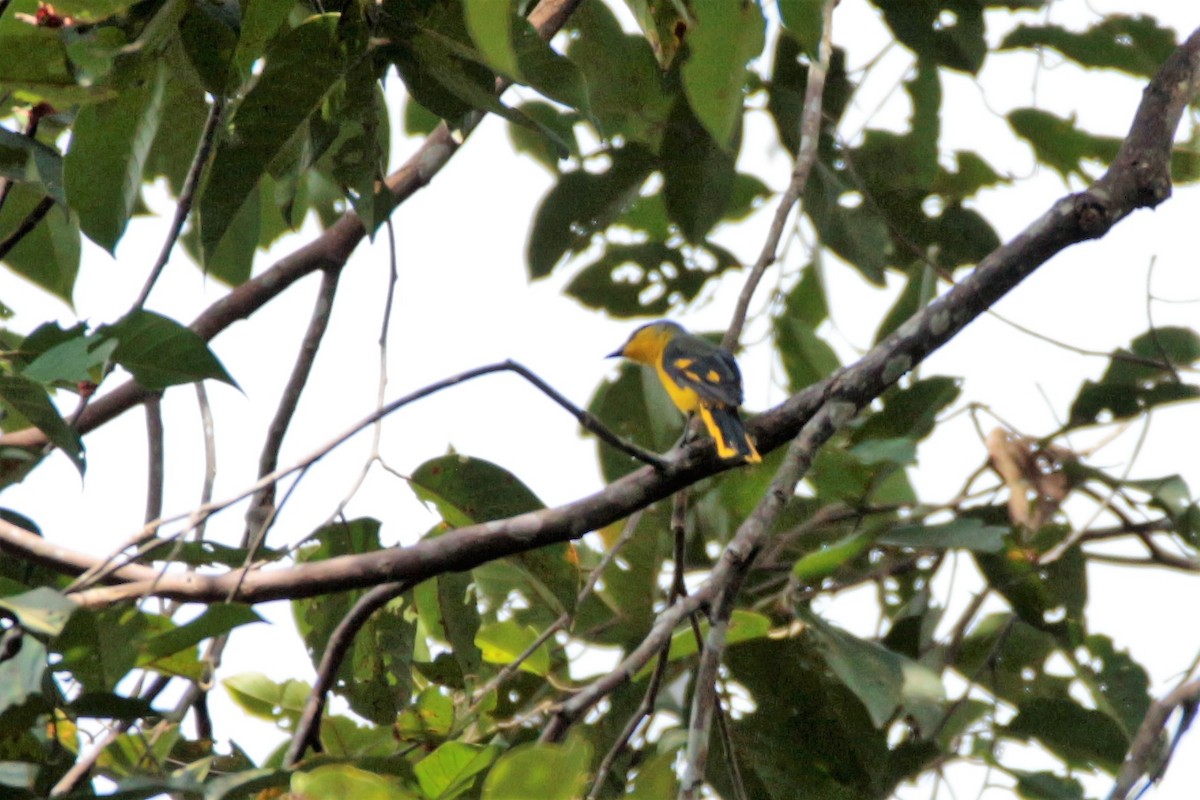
(463, 301)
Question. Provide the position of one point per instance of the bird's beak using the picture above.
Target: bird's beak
(620, 351)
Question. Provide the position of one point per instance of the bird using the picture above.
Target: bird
(699, 376)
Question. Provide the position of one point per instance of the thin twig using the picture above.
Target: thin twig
(155, 457)
(187, 195)
(806, 156)
(308, 725)
(589, 586)
(262, 505)
(1146, 740)
(113, 563)
(83, 765)
(26, 226)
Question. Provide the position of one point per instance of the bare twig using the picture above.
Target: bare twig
(84, 763)
(262, 505)
(187, 195)
(308, 726)
(154, 454)
(806, 156)
(1146, 742)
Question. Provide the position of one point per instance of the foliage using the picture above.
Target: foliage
(263, 114)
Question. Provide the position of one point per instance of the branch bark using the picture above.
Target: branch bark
(1138, 178)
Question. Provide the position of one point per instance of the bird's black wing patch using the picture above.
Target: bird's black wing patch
(705, 368)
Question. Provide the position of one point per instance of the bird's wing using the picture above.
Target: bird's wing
(705, 368)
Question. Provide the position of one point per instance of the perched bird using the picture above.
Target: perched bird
(699, 376)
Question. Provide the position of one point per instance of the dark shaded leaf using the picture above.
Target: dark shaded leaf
(1136, 45)
(49, 254)
(698, 173)
(30, 400)
(216, 620)
(159, 352)
(583, 203)
(723, 38)
(627, 93)
(1059, 144)
(302, 67)
(1084, 738)
(26, 160)
(946, 32)
(966, 533)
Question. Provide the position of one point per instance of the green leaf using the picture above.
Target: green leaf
(108, 705)
(1047, 786)
(233, 259)
(208, 34)
(664, 23)
(1084, 738)
(948, 32)
(1119, 685)
(1136, 45)
(743, 626)
(1059, 144)
(49, 254)
(883, 680)
(344, 780)
(260, 21)
(109, 145)
(813, 567)
(216, 620)
(910, 411)
(502, 642)
(698, 174)
(490, 23)
(583, 203)
(301, 68)
(41, 610)
(92, 10)
(725, 37)
(459, 620)
(30, 400)
(21, 699)
(469, 490)
(807, 358)
(534, 144)
(662, 279)
(452, 769)
(802, 18)
(34, 67)
(99, 648)
(79, 358)
(159, 352)
(627, 92)
(856, 233)
(26, 160)
(965, 533)
(429, 718)
(544, 771)
(259, 696)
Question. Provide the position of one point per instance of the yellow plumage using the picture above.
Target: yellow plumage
(700, 377)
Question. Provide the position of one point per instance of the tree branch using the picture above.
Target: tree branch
(1146, 742)
(329, 251)
(309, 724)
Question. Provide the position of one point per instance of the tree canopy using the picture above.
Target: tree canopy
(459, 661)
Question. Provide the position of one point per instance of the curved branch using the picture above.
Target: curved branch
(309, 724)
(329, 251)
(1138, 178)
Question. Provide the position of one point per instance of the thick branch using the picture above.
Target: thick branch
(1137, 179)
(329, 251)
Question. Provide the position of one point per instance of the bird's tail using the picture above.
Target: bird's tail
(725, 426)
